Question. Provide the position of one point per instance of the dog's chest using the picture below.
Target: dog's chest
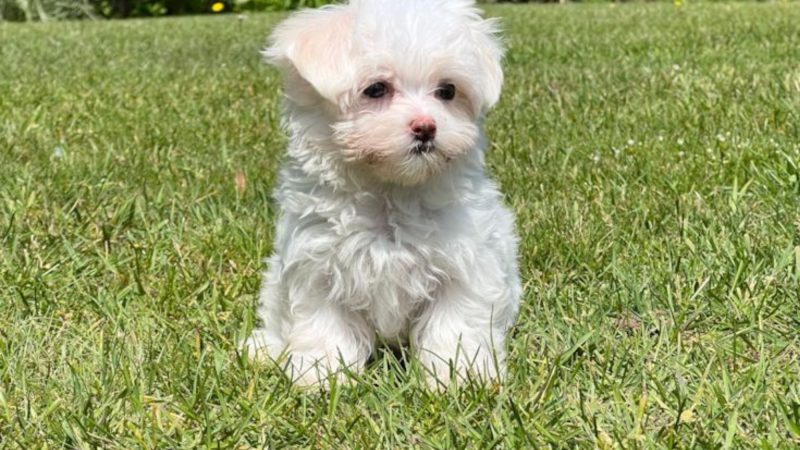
(392, 262)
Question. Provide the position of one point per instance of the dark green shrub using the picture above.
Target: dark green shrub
(30, 10)
(43, 10)
(277, 5)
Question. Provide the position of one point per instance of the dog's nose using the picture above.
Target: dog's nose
(423, 129)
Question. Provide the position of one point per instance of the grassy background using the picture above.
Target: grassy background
(652, 156)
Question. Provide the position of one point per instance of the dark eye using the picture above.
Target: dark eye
(446, 91)
(376, 90)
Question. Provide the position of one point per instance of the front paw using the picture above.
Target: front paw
(315, 370)
(458, 366)
(259, 345)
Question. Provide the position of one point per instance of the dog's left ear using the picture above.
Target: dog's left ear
(490, 54)
(484, 36)
(312, 47)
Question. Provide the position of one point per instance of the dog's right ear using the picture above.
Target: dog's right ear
(313, 47)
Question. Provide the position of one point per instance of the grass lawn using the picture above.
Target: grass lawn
(652, 156)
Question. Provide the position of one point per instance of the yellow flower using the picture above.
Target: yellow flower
(218, 7)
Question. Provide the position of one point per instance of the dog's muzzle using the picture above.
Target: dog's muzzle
(423, 147)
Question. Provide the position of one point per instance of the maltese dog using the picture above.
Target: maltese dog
(389, 229)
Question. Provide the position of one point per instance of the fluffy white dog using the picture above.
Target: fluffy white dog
(389, 227)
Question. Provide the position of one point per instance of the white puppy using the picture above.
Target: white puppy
(389, 228)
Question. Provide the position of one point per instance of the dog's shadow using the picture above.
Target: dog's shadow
(389, 356)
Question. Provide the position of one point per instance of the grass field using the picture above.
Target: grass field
(652, 156)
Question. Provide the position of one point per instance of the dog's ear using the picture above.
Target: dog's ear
(313, 46)
(490, 54)
(484, 36)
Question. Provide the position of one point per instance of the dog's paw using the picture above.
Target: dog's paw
(258, 345)
(482, 367)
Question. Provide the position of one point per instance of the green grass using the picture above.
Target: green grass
(652, 156)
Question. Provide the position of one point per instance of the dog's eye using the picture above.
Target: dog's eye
(446, 91)
(376, 90)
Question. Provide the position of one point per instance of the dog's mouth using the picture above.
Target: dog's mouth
(421, 148)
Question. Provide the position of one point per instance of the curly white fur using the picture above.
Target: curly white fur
(377, 239)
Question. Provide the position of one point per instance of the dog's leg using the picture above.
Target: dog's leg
(319, 343)
(324, 340)
(461, 337)
(268, 340)
(310, 335)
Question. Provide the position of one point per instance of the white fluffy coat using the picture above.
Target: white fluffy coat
(376, 241)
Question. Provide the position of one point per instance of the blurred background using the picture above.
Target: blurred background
(45, 10)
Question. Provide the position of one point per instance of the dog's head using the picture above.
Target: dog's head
(399, 84)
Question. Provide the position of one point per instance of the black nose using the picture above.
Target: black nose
(424, 131)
